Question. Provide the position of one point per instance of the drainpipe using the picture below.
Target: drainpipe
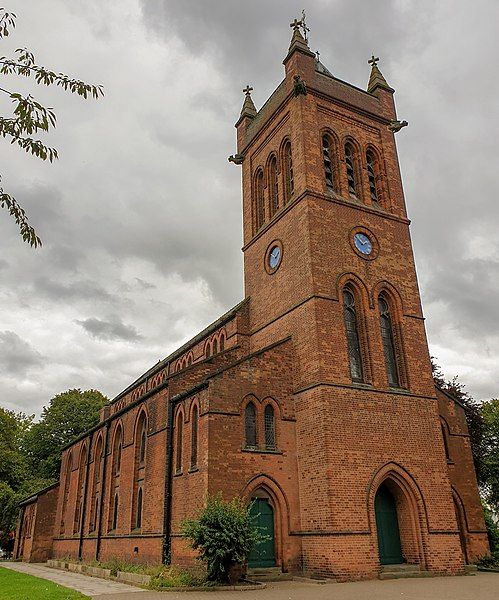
(102, 490)
(85, 492)
(18, 540)
(168, 488)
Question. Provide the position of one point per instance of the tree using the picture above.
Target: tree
(13, 464)
(490, 413)
(30, 117)
(224, 534)
(68, 415)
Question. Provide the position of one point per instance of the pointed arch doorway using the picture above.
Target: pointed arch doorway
(387, 526)
(262, 514)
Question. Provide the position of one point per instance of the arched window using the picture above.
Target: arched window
(373, 175)
(178, 459)
(446, 442)
(80, 490)
(260, 200)
(194, 437)
(94, 515)
(250, 425)
(115, 512)
(189, 360)
(222, 342)
(273, 186)
(215, 346)
(388, 343)
(328, 163)
(289, 183)
(269, 423)
(353, 340)
(142, 448)
(350, 165)
(138, 521)
(117, 451)
(139, 468)
(208, 350)
(67, 482)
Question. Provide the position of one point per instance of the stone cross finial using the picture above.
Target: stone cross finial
(373, 61)
(247, 90)
(318, 54)
(296, 24)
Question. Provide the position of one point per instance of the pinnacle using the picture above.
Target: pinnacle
(376, 78)
(249, 108)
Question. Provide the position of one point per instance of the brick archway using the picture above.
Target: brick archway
(411, 512)
(265, 487)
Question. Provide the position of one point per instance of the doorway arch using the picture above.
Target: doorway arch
(262, 514)
(387, 527)
(410, 512)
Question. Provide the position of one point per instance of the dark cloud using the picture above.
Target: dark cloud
(17, 357)
(79, 290)
(112, 329)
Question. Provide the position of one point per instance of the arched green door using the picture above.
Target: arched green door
(263, 554)
(390, 550)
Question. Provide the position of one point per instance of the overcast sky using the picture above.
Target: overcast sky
(141, 216)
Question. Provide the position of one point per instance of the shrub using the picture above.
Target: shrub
(224, 535)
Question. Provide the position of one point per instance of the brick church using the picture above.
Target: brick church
(313, 397)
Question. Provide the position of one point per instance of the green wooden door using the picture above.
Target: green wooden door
(263, 554)
(390, 551)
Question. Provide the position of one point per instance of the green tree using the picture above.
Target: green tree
(224, 534)
(29, 117)
(13, 463)
(67, 416)
(490, 414)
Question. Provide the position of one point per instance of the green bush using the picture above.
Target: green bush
(224, 535)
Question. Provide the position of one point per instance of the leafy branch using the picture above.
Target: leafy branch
(30, 117)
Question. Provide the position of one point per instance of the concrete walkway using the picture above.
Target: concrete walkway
(90, 586)
(483, 586)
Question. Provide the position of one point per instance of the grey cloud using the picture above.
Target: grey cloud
(78, 290)
(17, 356)
(112, 329)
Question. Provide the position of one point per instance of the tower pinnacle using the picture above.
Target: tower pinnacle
(376, 79)
(248, 109)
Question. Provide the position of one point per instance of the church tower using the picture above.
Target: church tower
(328, 263)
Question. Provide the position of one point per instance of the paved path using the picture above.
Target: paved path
(483, 586)
(90, 586)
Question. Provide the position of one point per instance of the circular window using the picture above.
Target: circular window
(273, 257)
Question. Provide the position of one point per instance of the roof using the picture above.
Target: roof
(34, 496)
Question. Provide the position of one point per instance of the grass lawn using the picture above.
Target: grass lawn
(18, 586)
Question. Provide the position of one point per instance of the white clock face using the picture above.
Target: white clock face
(274, 257)
(363, 243)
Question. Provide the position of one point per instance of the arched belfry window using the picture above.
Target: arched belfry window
(259, 200)
(373, 175)
(353, 338)
(327, 151)
(289, 183)
(269, 424)
(250, 425)
(194, 437)
(388, 342)
(273, 186)
(351, 174)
